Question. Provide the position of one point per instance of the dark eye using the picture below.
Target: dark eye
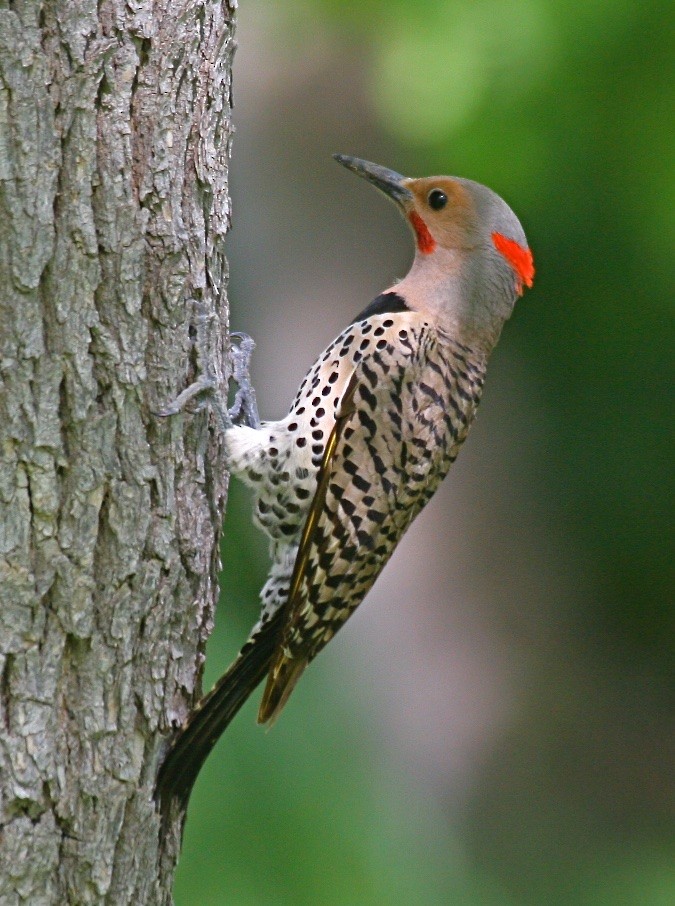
(437, 199)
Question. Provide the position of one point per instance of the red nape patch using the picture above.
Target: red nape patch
(518, 257)
(425, 241)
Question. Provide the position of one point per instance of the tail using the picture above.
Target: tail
(194, 741)
(283, 676)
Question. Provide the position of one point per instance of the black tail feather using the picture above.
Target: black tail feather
(195, 739)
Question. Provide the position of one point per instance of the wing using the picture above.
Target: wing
(397, 431)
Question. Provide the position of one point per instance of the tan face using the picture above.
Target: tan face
(455, 214)
(442, 213)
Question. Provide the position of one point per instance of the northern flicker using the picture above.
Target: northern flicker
(372, 431)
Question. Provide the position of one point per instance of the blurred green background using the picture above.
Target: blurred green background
(495, 725)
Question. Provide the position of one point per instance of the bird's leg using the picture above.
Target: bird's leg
(208, 385)
(244, 399)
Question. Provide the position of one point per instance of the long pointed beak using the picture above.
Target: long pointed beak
(387, 181)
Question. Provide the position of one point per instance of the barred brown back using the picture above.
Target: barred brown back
(404, 414)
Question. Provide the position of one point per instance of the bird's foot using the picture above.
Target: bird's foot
(207, 388)
(244, 399)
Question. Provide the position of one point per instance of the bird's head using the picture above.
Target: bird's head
(472, 259)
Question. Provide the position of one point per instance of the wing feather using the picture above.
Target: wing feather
(285, 672)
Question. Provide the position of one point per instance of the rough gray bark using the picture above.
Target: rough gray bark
(114, 140)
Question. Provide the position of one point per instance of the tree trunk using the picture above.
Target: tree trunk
(114, 141)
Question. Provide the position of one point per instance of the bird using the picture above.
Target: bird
(373, 429)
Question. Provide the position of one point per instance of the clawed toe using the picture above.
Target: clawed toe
(203, 386)
(244, 399)
(244, 403)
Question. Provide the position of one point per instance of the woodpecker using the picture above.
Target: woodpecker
(374, 427)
